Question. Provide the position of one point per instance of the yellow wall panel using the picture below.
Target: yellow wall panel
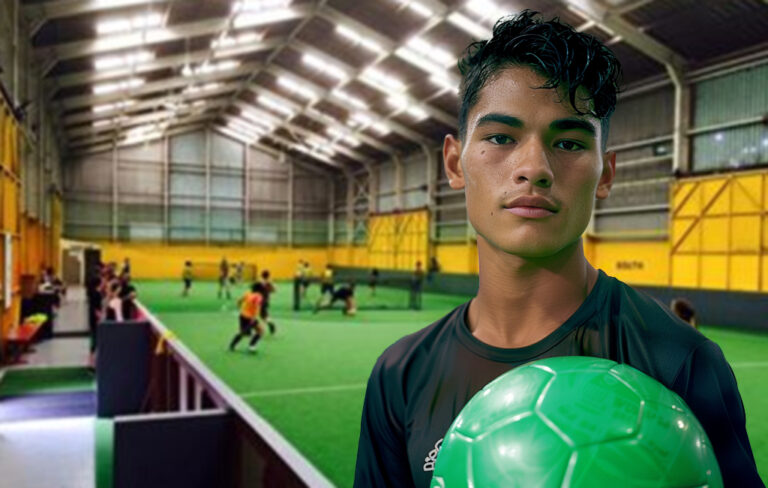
(634, 262)
(714, 234)
(747, 193)
(686, 235)
(745, 234)
(714, 272)
(398, 240)
(154, 261)
(457, 258)
(744, 273)
(686, 199)
(715, 196)
(685, 271)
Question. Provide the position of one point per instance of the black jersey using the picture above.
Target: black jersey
(420, 383)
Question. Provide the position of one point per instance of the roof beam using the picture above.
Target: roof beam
(149, 103)
(92, 76)
(54, 54)
(610, 19)
(69, 8)
(156, 86)
(140, 120)
(100, 146)
(104, 137)
(338, 147)
(353, 73)
(319, 116)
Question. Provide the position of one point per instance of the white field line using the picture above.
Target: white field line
(301, 391)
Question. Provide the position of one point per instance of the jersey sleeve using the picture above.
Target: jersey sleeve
(706, 382)
(382, 459)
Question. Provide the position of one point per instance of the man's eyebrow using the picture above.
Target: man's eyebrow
(572, 123)
(501, 119)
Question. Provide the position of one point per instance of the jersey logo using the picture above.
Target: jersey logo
(429, 461)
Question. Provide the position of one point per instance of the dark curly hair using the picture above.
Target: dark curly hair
(553, 50)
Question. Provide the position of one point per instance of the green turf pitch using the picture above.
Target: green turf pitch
(309, 379)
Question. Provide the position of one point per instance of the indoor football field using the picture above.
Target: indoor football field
(308, 380)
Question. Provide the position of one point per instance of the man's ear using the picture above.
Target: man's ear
(452, 162)
(607, 176)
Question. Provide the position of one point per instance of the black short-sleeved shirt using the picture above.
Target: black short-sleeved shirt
(421, 382)
(343, 293)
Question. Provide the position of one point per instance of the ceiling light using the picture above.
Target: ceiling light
(384, 82)
(137, 22)
(275, 105)
(127, 84)
(127, 60)
(343, 95)
(258, 118)
(324, 67)
(106, 107)
(381, 128)
(469, 26)
(252, 18)
(259, 5)
(207, 68)
(444, 83)
(416, 7)
(358, 39)
(486, 10)
(296, 87)
(239, 40)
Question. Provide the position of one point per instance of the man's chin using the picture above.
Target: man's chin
(525, 250)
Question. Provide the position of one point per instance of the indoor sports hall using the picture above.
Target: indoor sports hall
(217, 215)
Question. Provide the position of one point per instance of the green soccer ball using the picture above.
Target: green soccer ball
(576, 422)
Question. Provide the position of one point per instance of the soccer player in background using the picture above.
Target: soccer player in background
(344, 293)
(186, 276)
(531, 158)
(684, 309)
(250, 304)
(268, 288)
(373, 280)
(224, 278)
(417, 281)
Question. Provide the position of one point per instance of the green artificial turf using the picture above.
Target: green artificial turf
(104, 452)
(309, 379)
(46, 380)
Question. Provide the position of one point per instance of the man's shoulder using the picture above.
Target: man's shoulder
(417, 347)
(651, 325)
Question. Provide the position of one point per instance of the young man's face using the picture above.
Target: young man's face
(524, 141)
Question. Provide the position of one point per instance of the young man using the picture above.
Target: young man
(250, 304)
(417, 280)
(268, 288)
(373, 280)
(531, 158)
(186, 276)
(224, 278)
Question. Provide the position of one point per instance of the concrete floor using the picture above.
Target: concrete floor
(53, 453)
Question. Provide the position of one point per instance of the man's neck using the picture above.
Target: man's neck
(521, 301)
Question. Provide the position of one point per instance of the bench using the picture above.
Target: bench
(19, 340)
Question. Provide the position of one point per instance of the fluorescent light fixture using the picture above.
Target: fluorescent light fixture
(431, 52)
(128, 60)
(417, 113)
(238, 40)
(359, 39)
(381, 128)
(235, 134)
(382, 81)
(114, 86)
(486, 10)
(137, 22)
(107, 107)
(250, 19)
(102, 123)
(296, 87)
(397, 102)
(259, 5)
(360, 119)
(275, 105)
(258, 118)
(444, 83)
(324, 67)
(199, 103)
(246, 128)
(416, 7)
(351, 99)
(207, 68)
(201, 88)
(469, 26)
